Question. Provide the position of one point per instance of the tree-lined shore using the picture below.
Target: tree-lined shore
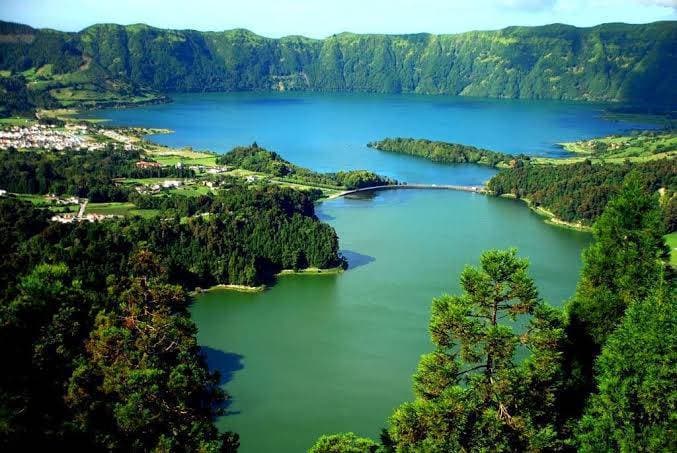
(568, 191)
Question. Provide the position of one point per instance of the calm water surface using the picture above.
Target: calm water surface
(318, 354)
(329, 132)
(321, 354)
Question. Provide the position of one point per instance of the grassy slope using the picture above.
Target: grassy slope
(86, 87)
(173, 159)
(671, 240)
(122, 209)
(641, 147)
(41, 201)
(16, 121)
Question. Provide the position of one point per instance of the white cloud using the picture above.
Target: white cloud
(666, 3)
(528, 5)
(548, 5)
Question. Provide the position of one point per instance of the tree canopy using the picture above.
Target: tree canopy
(255, 158)
(450, 153)
(579, 192)
(635, 406)
(471, 394)
(623, 264)
(343, 443)
(509, 373)
(94, 316)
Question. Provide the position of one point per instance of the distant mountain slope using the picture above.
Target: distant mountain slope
(611, 62)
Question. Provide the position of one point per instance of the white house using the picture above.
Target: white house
(171, 184)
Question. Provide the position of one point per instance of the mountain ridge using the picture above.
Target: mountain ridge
(345, 32)
(615, 62)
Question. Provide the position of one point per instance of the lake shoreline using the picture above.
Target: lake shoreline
(260, 288)
(142, 133)
(229, 287)
(311, 271)
(366, 326)
(549, 217)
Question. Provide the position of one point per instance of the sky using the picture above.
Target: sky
(320, 18)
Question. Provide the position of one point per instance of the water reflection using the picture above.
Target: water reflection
(356, 259)
(226, 364)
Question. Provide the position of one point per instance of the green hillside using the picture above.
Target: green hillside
(112, 63)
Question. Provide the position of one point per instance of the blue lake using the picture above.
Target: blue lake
(329, 132)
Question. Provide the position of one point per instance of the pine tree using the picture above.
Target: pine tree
(470, 392)
(343, 443)
(635, 407)
(143, 384)
(624, 262)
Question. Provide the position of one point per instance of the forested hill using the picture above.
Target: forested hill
(579, 192)
(611, 62)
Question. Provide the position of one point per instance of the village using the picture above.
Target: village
(205, 174)
(71, 136)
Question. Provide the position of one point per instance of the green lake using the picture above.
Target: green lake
(330, 353)
(318, 354)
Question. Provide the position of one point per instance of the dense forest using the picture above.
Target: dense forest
(255, 158)
(573, 191)
(597, 377)
(449, 153)
(243, 235)
(18, 100)
(104, 355)
(83, 173)
(579, 192)
(613, 62)
(103, 352)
